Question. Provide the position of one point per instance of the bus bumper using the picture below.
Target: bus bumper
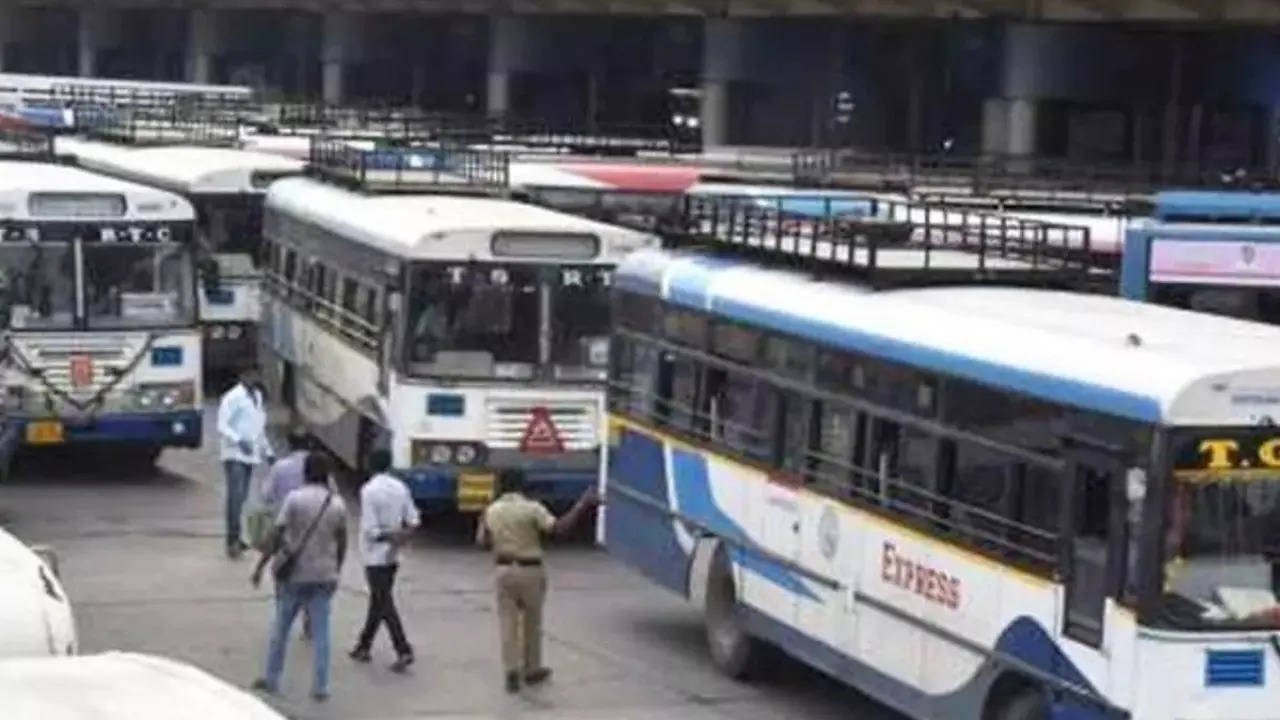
(182, 428)
(471, 490)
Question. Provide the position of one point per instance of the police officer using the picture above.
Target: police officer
(514, 526)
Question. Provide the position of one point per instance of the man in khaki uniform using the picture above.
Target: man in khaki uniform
(515, 526)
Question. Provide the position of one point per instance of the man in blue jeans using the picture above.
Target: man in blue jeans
(309, 545)
(243, 445)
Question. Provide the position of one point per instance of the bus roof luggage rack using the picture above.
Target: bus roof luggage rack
(22, 143)
(410, 166)
(609, 139)
(642, 210)
(1047, 179)
(891, 243)
(142, 127)
(308, 119)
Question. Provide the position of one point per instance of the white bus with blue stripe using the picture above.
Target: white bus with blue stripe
(466, 334)
(1211, 251)
(227, 187)
(997, 503)
(97, 299)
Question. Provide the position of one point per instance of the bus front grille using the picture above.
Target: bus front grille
(576, 423)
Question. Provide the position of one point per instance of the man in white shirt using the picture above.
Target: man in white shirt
(243, 444)
(388, 518)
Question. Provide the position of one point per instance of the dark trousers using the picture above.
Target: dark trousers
(382, 608)
(238, 475)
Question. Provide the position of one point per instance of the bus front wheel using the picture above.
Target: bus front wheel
(734, 652)
(1025, 704)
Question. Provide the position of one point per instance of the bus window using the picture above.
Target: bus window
(841, 442)
(979, 485)
(741, 412)
(906, 460)
(677, 392)
(797, 437)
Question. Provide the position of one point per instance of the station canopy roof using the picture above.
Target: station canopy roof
(1248, 11)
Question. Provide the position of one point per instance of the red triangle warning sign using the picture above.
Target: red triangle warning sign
(540, 435)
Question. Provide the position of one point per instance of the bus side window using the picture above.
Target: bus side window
(635, 383)
(978, 484)
(799, 433)
(841, 450)
(290, 270)
(906, 460)
(677, 392)
(740, 412)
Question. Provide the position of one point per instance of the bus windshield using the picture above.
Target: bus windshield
(508, 320)
(1222, 533)
(1259, 304)
(234, 225)
(580, 321)
(37, 286)
(465, 319)
(134, 286)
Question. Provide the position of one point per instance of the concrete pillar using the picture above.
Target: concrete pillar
(7, 33)
(202, 43)
(508, 46)
(1169, 154)
(1021, 130)
(995, 126)
(89, 30)
(1271, 138)
(721, 61)
(335, 51)
(497, 95)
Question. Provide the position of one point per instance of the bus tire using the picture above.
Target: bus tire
(1026, 703)
(734, 652)
(143, 458)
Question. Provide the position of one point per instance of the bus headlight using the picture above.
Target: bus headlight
(465, 454)
(440, 454)
(216, 332)
(165, 396)
(234, 332)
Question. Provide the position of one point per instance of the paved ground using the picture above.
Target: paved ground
(141, 557)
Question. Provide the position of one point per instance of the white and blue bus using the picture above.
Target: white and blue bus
(466, 334)
(997, 503)
(227, 187)
(98, 306)
(1212, 251)
(64, 103)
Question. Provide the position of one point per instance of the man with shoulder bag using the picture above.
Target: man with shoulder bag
(309, 545)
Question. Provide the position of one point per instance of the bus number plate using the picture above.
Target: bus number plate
(475, 491)
(44, 432)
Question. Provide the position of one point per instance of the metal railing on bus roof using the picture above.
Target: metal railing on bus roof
(510, 131)
(638, 209)
(160, 127)
(892, 243)
(1053, 179)
(305, 119)
(409, 166)
(25, 143)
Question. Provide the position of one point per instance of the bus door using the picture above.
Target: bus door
(1094, 533)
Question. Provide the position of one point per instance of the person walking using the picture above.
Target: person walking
(309, 547)
(242, 432)
(388, 518)
(514, 527)
(285, 476)
(286, 473)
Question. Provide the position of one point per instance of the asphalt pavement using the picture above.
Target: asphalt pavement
(141, 556)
